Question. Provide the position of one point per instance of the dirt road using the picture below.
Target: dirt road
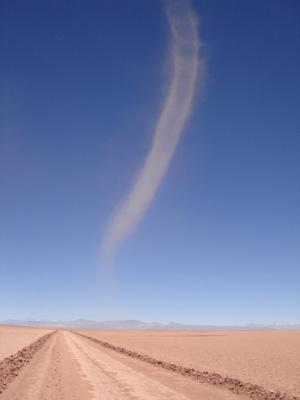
(73, 367)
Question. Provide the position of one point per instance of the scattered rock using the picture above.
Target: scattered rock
(10, 366)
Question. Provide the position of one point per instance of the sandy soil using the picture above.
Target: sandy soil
(13, 365)
(267, 358)
(14, 338)
(69, 366)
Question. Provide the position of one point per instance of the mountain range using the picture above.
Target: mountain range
(135, 324)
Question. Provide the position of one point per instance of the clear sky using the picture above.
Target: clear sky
(81, 87)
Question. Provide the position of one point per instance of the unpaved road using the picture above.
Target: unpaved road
(70, 366)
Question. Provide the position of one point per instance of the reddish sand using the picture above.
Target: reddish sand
(13, 338)
(69, 366)
(267, 358)
(64, 365)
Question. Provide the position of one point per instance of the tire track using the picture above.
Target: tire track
(111, 379)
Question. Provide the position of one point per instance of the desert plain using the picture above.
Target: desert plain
(139, 364)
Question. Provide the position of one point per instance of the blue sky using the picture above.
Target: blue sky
(82, 85)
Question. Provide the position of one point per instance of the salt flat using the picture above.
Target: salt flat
(267, 358)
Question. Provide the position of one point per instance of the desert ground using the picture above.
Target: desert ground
(101, 364)
(267, 358)
(14, 338)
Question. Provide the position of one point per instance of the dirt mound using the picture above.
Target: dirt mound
(255, 392)
(10, 366)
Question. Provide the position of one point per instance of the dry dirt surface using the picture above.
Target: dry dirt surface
(11, 366)
(268, 359)
(69, 367)
(14, 338)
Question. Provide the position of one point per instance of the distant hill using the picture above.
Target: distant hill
(135, 324)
